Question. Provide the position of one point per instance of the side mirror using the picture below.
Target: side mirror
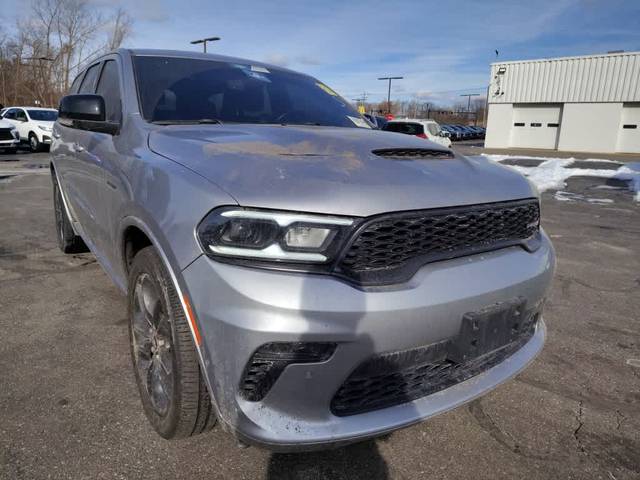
(85, 112)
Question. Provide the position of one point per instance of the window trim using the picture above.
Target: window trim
(102, 67)
(98, 64)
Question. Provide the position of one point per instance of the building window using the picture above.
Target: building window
(629, 126)
(518, 124)
(536, 124)
(553, 125)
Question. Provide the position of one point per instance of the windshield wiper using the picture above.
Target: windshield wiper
(200, 121)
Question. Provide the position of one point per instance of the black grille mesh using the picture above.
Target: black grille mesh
(5, 134)
(399, 377)
(393, 241)
(413, 153)
(270, 360)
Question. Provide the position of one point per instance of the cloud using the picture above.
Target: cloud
(277, 59)
(307, 60)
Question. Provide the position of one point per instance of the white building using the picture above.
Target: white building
(589, 103)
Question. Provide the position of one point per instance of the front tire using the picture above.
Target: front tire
(68, 241)
(172, 388)
(34, 144)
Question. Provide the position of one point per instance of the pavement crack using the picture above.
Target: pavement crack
(505, 439)
(619, 419)
(580, 420)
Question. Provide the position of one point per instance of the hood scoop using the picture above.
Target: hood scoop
(413, 153)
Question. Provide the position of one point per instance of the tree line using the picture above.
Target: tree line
(41, 56)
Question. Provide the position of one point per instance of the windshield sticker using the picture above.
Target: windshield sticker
(326, 89)
(257, 68)
(359, 122)
(256, 76)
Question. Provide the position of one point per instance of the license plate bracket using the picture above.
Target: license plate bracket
(487, 330)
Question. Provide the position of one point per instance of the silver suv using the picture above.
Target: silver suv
(292, 273)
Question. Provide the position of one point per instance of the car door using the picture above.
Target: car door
(101, 149)
(22, 124)
(82, 174)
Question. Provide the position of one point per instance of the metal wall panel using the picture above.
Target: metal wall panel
(595, 78)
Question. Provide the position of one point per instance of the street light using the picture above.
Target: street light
(469, 95)
(389, 91)
(204, 42)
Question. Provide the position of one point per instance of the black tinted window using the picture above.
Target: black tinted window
(174, 89)
(109, 88)
(89, 81)
(408, 128)
(44, 115)
(75, 85)
(20, 115)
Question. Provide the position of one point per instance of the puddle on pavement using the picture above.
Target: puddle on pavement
(523, 162)
(595, 165)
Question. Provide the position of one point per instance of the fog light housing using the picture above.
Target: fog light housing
(270, 360)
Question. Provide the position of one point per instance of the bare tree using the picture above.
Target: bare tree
(121, 26)
(38, 62)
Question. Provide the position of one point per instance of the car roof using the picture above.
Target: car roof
(31, 108)
(201, 56)
(412, 120)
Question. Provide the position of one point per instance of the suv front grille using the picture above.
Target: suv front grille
(5, 134)
(391, 248)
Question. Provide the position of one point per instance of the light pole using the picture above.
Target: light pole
(469, 95)
(204, 42)
(389, 90)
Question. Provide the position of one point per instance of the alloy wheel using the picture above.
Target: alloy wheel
(152, 344)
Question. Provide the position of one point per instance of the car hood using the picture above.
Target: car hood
(332, 170)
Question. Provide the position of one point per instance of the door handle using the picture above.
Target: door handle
(78, 148)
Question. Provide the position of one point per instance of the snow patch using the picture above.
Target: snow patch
(553, 173)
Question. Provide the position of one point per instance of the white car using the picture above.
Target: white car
(427, 129)
(34, 124)
(9, 137)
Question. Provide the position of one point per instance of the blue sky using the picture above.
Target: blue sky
(442, 48)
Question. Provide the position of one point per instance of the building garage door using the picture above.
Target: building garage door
(536, 126)
(629, 134)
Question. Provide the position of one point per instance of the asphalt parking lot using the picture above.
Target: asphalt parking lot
(69, 407)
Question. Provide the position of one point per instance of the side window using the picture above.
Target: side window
(109, 88)
(89, 82)
(76, 84)
(20, 115)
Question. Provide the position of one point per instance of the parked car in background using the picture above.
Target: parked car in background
(290, 271)
(9, 137)
(377, 120)
(427, 129)
(453, 133)
(34, 125)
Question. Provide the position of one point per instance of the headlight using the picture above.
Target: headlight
(46, 128)
(272, 236)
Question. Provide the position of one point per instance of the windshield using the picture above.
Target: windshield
(187, 89)
(43, 115)
(402, 127)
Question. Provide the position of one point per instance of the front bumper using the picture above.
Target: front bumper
(9, 143)
(239, 309)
